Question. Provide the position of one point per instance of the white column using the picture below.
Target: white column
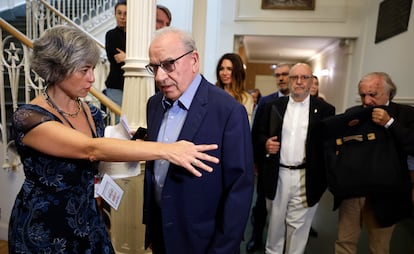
(138, 85)
(127, 231)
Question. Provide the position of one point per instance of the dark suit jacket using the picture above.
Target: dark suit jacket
(259, 151)
(206, 214)
(315, 170)
(115, 38)
(391, 206)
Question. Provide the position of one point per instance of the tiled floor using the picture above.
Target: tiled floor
(325, 223)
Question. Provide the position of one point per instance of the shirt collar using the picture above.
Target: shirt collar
(280, 94)
(304, 102)
(186, 98)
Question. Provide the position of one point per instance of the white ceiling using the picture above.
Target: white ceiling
(276, 49)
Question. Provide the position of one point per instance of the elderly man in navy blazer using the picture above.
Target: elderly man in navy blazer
(184, 213)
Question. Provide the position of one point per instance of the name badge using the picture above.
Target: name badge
(110, 191)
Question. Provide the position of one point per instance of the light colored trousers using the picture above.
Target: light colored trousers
(289, 217)
(353, 213)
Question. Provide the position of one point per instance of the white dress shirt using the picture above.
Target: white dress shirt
(294, 131)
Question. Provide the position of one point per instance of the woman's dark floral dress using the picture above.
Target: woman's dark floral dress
(55, 210)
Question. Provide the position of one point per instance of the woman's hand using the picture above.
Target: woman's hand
(190, 156)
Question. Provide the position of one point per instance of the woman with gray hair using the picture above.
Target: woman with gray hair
(58, 140)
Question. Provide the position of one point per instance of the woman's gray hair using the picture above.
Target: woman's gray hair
(186, 38)
(61, 51)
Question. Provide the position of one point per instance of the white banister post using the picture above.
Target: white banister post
(138, 85)
(127, 231)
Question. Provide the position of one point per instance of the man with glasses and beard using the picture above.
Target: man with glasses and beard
(293, 168)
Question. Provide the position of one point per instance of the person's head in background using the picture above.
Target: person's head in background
(282, 77)
(314, 91)
(120, 14)
(315, 86)
(230, 75)
(163, 17)
(376, 88)
(255, 93)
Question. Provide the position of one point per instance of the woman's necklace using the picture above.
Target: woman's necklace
(61, 112)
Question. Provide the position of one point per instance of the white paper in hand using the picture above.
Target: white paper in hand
(119, 169)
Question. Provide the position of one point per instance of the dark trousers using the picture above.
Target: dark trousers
(157, 236)
(259, 211)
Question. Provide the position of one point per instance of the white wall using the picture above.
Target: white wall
(352, 19)
(336, 59)
(181, 12)
(266, 84)
(336, 18)
(394, 56)
(10, 4)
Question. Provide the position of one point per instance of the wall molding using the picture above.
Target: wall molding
(316, 15)
(404, 100)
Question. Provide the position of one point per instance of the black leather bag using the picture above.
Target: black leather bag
(361, 157)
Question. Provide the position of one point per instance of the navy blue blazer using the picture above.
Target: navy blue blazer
(316, 183)
(205, 214)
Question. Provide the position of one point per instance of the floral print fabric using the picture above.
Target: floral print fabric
(55, 210)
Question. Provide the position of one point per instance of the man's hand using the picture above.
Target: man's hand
(120, 57)
(380, 116)
(272, 145)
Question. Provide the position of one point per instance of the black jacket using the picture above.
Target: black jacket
(392, 203)
(115, 38)
(271, 126)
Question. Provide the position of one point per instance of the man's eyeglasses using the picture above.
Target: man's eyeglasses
(302, 77)
(167, 65)
(284, 74)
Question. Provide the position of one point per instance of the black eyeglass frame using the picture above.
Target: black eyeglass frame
(167, 65)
